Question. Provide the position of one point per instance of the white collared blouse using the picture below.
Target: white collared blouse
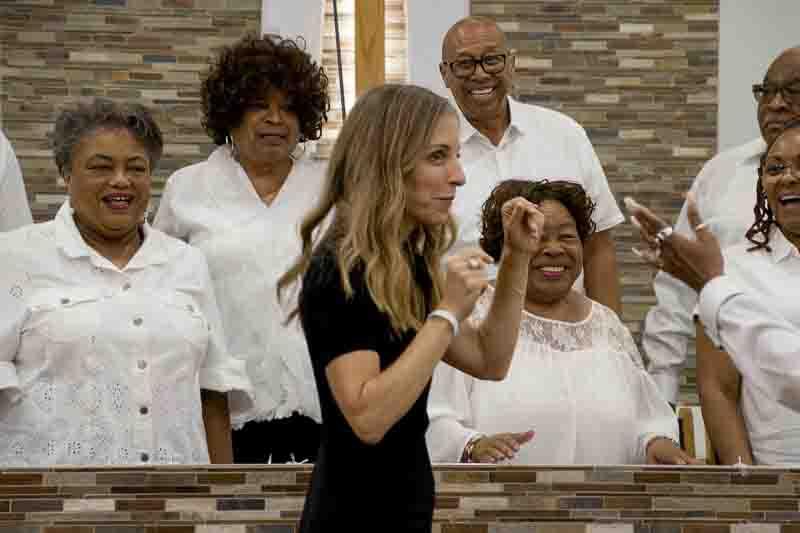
(248, 245)
(581, 387)
(773, 278)
(102, 365)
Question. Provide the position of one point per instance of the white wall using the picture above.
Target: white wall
(752, 34)
(293, 18)
(428, 21)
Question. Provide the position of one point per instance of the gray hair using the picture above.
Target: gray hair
(73, 125)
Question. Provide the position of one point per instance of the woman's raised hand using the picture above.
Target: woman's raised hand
(522, 225)
(466, 278)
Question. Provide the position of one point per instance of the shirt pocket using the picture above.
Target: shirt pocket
(67, 322)
(189, 329)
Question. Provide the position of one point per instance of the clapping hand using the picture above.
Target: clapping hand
(499, 447)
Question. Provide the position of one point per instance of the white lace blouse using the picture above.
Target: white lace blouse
(101, 365)
(248, 245)
(580, 386)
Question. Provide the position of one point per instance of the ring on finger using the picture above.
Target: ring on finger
(664, 234)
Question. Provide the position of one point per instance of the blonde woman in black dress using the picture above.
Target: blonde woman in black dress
(379, 314)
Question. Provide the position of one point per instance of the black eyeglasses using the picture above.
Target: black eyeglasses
(490, 63)
(765, 92)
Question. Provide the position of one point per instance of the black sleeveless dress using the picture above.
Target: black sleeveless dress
(355, 486)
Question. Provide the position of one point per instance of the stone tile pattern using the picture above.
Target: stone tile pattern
(470, 499)
(641, 77)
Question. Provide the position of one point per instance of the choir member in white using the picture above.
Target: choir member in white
(262, 100)
(111, 347)
(576, 392)
(748, 310)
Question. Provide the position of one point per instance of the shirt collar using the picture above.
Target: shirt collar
(468, 130)
(70, 241)
(782, 249)
(752, 151)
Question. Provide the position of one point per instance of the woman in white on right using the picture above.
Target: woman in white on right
(576, 392)
(747, 357)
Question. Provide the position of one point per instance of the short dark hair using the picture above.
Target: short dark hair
(73, 124)
(244, 71)
(759, 232)
(571, 195)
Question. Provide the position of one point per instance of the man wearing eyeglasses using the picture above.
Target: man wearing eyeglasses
(725, 194)
(502, 138)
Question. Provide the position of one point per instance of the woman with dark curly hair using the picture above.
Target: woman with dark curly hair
(263, 99)
(576, 377)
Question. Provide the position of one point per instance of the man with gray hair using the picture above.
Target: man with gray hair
(502, 138)
(14, 210)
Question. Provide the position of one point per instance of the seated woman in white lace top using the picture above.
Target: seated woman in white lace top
(577, 392)
(110, 339)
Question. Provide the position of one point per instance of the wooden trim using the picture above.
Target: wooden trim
(370, 44)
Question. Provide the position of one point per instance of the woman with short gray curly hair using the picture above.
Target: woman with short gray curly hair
(111, 346)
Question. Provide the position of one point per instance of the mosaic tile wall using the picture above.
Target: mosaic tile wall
(640, 75)
(470, 499)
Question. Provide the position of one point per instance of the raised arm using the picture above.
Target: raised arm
(484, 350)
(373, 400)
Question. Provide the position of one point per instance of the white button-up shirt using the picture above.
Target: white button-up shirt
(539, 143)
(771, 278)
(14, 209)
(725, 191)
(580, 386)
(213, 205)
(101, 365)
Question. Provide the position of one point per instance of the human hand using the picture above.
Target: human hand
(466, 278)
(662, 451)
(522, 225)
(499, 447)
(693, 261)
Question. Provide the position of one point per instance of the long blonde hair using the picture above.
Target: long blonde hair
(377, 150)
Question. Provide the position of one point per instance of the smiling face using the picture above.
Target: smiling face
(774, 114)
(480, 96)
(781, 182)
(559, 260)
(109, 184)
(269, 130)
(431, 188)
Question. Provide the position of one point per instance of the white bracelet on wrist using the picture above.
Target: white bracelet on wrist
(446, 315)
